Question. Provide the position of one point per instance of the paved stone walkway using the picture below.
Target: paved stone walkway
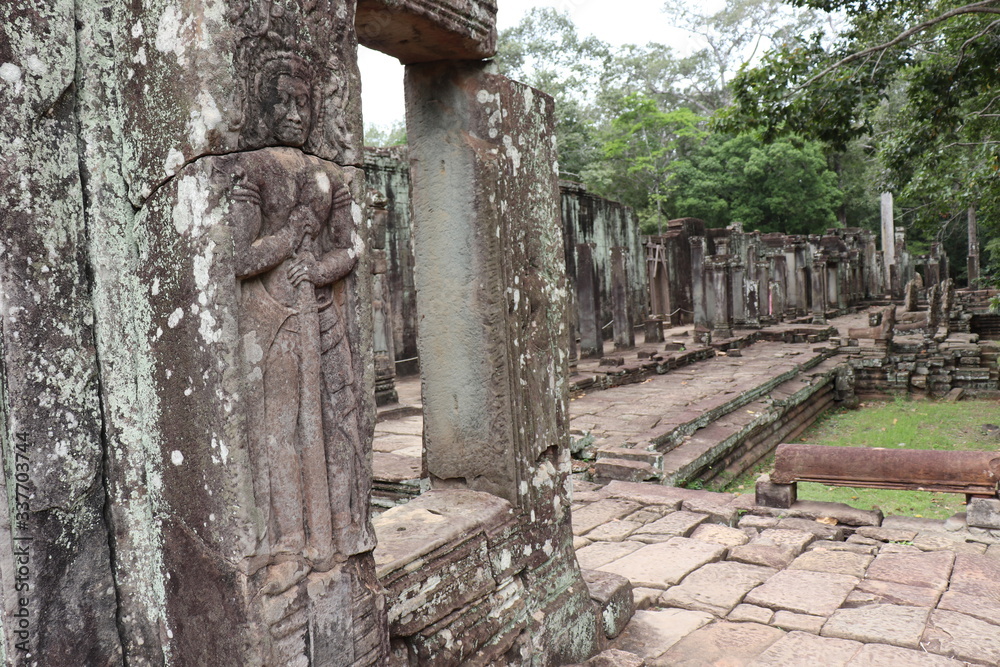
(716, 583)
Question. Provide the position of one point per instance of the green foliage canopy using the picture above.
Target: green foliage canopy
(783, 186)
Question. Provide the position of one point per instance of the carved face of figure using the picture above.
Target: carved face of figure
(288, 110)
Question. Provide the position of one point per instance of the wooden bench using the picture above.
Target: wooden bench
(973, 473)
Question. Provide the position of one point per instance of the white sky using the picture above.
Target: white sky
(616, 21)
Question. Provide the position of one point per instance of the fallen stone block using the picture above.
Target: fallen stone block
(983, 513)
(781, 496)
(613, 595)
(624, 470)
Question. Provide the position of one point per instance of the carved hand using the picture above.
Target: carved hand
(303, 267)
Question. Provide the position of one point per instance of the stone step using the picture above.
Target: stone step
(624, 470)
(711, 447)
(653, 458)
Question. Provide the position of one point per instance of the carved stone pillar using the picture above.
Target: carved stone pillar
(232, 304)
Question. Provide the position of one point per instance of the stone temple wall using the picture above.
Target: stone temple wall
(606, 224)
(586, 219)
(727, 278)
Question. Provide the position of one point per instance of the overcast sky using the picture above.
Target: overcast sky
(615, 21)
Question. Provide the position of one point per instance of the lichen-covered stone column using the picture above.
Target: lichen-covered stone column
(205, 152)
(491, 285)
(57, 594)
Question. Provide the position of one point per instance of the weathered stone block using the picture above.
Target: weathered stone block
(613, 595)
(421, 31)
(983, 513)
(781, 496)
(487, 233)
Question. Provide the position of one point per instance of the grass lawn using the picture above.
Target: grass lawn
(902, 422)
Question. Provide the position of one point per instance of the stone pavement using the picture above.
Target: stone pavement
(719, 581)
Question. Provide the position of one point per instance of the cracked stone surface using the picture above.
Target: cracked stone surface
(882, 623)
(838, 602)
(802, 591)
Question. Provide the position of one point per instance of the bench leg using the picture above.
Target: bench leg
(781, 496)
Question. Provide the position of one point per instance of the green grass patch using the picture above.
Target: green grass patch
(902, 423)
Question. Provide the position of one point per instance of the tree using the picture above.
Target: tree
(918, 79)
(545, 51)
(640, 147)
(784, 186)
(381, 136)
(733, 35)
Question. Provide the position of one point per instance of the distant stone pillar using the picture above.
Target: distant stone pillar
(833, 284)
(780, 276)
(799, 284)
(491, 286)
(738, 290)
(888, 239)
(383, 340)
(624, 335)
(719, 282)
(699, 290)
(819, 304)
(973, 249)
(588, 294)
(658, 276)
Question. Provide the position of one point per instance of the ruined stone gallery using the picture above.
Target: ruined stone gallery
(206, 285)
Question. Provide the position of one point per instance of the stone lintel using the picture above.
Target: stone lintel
(417, 31)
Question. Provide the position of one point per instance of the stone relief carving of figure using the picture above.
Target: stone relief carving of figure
(294, 246)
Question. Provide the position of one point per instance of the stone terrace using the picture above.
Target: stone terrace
(718, 581)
